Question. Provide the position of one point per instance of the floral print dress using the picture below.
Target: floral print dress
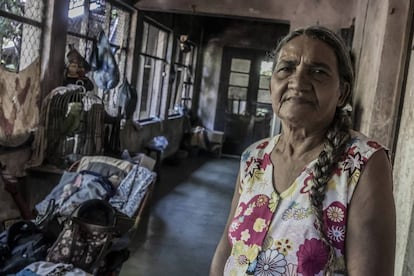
(275, 234)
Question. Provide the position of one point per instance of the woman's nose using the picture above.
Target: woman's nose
(299, 80)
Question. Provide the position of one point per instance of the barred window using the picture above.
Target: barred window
(21, 24)
(184, 66)
(151, 70)
(88, 17)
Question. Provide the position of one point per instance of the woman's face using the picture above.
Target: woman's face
(305, 86)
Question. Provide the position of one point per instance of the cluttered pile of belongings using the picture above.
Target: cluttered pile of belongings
(84, 225)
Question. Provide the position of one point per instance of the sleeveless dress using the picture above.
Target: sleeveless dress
(275, 234)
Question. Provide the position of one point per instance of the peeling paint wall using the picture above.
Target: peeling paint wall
(382, 30)
(404, 180)
(379, 46)
(369, 35)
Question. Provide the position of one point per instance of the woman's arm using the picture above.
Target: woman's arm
(223, 249)
(370, 244)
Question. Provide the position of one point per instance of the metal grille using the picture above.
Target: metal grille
(31, 9)
(88, 18)
(20, 32)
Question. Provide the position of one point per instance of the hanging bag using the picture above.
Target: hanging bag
(86, 236)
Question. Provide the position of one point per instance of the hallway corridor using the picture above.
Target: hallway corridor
(190, 208)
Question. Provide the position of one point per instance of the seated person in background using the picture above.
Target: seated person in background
(318, 198)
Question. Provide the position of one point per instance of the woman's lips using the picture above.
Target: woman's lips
(297, 100)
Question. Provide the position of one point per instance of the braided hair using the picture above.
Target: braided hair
(338, 133)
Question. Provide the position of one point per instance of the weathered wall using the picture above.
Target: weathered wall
(368, 41)
(380, 33)
(381, 46)
(404, 179)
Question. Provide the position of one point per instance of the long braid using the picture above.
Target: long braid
(336, 140)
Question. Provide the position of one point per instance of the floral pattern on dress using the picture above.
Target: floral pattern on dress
(284, 246)
(292, 233)
(270, 263)
(294, 211)
(256, 175)
(291, 270)
(307, 183)
(255, 217)
(263, 163)
(353, 162)
(263, 145)
(374, 145)
(312, 257)
(335, 224)
(274, 201)
(354, 178)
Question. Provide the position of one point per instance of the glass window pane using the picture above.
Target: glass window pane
(264, 82)
(146, 66)
(263, 96)
(162, 44)
(157, 88)
(144, 38)
(237, 93)
(152, 40)
(263, 109)
(156, 42)
(97, 18)
(239, 79)
(240, 65)
(237, 107)
(119, 27)
(266, 68)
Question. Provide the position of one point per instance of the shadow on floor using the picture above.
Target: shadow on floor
(187, 217)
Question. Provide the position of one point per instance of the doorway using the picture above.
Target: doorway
(245, 97)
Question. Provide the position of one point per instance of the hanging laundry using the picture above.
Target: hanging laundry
(127, 100)
(106, 71)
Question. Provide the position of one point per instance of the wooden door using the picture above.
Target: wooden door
(244, 98)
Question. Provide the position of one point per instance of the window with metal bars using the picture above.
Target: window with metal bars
(182, 92)
(88, 17)
(21, 25)
(151, 71)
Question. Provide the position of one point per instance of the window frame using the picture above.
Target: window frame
(155, 103)
(182, 91)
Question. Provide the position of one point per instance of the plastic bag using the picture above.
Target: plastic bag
(158, 143)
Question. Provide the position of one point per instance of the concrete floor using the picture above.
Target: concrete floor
(187, 217)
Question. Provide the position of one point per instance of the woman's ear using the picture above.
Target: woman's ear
(345, 90)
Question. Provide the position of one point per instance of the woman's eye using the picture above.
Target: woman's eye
(284, 69)
(318, 71)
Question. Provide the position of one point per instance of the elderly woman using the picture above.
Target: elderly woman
(318, 198)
